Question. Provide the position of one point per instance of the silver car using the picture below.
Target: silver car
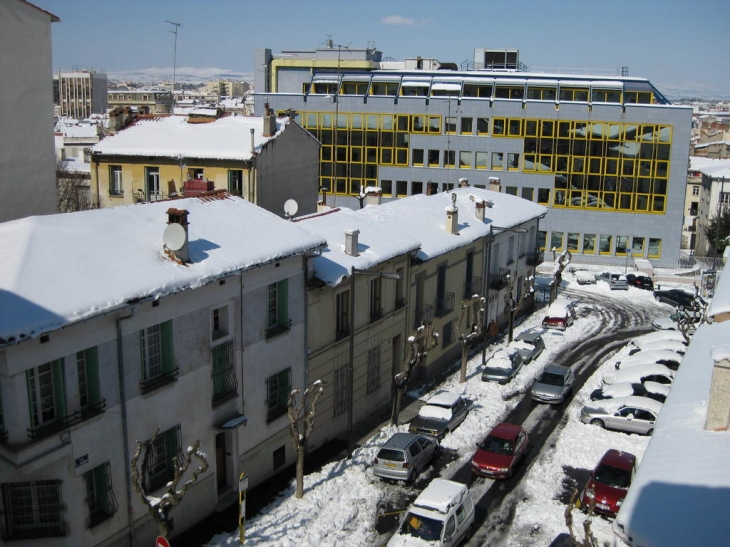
(529, 344)
(404, 456)
(616, 281)
(629, 414)
(502, 366)
(554, 385)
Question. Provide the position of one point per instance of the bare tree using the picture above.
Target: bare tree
(159, 508)
(298, 409)
(589, 540)
(74, 192)
(560, 265)
(473, 307)
(418, 347)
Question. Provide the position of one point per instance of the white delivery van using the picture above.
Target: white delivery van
(443, 514)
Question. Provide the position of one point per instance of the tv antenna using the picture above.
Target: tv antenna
(175, 26)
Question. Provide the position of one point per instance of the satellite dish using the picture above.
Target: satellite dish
(174, 237)
(291, 207)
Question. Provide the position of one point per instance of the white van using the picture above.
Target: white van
(443, 514)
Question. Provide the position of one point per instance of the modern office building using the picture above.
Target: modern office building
(82, 93)
(607, 154)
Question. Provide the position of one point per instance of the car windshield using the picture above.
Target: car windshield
(551, 379)
(613, 476)
(497, 445)
(421, 527)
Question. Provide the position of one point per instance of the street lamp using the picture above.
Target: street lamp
(485, 280)
(351, 360)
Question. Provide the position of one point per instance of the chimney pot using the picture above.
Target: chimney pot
(351, 243)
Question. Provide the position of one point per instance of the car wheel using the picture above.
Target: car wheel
(650, 432)
(414, 475)
(596, 421)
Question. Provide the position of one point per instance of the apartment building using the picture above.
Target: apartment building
(607, 154)
(128, 320)
(82, 93)
(28, 179)
(144, 101)
(266, 160)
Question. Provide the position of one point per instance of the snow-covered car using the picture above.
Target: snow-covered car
(671, 322)
(554, 385)
(661, 356)
(658, 335)
(627, 414)
(669, 345)
(442, 413)
(653, 390)
(502, 366)
(404, 456)
(585, 278)
(639, 374)
(609, 483)
(616, 281)
(560, 315)
(529, 344)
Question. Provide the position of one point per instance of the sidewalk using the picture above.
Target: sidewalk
(226, 521)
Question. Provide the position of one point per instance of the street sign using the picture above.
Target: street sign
(161, 542)
(243, 483)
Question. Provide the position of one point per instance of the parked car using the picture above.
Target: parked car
(627, 414)
(585, 278)
(616, 281)
(661, 356)
(669, 345)
(640, 374)
(671, 322)
(529, 344)
(502, 366)
(653, 390)
(640, 281)
(442, 515)
(554, 385)
(560, 315)
(500, 452)
(404, 456)
(609, 482)
(577, 268)
(657, 336)
(679, 297)
(442, 413)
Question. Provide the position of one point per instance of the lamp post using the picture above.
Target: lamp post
(351, 360)
(485, 280)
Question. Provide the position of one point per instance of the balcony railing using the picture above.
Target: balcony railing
(400, 302)
(376, 314)
(473, 287)
(342, 333)
(424, 316)
(444, 305)
(533, 259)
(499, 280)
(64, 423)
(163, 379)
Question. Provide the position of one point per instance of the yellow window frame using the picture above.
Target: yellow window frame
(418, 120)
(529, 163)
(325, 152)
(387, 122)
(401, 156)
(503, 130)
(485, 165)
(477, 125)
(356, 121)
(610, 244)
(531, 128)
(657, 254)
(514, 127)
(557, 248)
(434, 124)
(588, 238)
(386, 156)
(372, 122)
(621, 197)
(547, 128)
(641, 202)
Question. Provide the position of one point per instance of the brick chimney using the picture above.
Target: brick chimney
(718, 405)
(269, 122)
(351, 246)
(480, 206)
(175, 239)
(452, 217)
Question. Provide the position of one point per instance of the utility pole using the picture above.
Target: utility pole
(175, 26)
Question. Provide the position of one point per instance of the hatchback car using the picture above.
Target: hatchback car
(442, 413)
(627, 414)
(616, 281)
(404, 456)
(662, 356)
(498, 455)
(585, 278)
(554, 385)
(679, 297)
(609, 482)
(653, 390)
(640, 374)
(502, 366)
(658, 335)
(669, 345)
(560, 315)
(671, 322)
(640, 281)
(529, 344)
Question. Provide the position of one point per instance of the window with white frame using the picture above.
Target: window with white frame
(342, 314)
(341, 391)
(115, 180)
(87, 369)
(157, 355)
(161, 455)
(32, 510)
(219, 319)
(278, 387)
(277, 319)
(373, 369)
(100, 498)
(46, 394)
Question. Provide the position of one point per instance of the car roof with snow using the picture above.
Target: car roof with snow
(656, 387)
(658, 335)
(635, 374)
(440, 495)
(443, 398)
(499, 359)
(617, 403)
(651, 356)
(669, 344)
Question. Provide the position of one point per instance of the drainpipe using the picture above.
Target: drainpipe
(125, 428)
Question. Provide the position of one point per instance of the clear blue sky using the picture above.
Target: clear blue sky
(677, 44)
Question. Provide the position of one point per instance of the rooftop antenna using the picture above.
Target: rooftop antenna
(175, 26)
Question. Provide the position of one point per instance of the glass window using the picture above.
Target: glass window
(513, 161)
(87, 369)
(433, 158)
(449, 158)
(278, 387)
(157, 351)
(482, 126)
(543, 196)
(556, 241)
(589, 244)
(464, 160)
(450, 125)
(162, 451)
(622, 245)
(497, 161)
(416, 187)
(417, 156)
(401, 187)
(467, 126)
(100, 498)
(387, 187)
(573, 240)
(224, 375)
(511, 190)
(481, 160)
(342, 313)
(605, 244)
(541, 238)
(341, 392)
(46, 394)
(373, 368)
(655, 247)
(637, 246)
(33, 510)
(277, 309)
(527, 193)
(116, 187)
(499, 127)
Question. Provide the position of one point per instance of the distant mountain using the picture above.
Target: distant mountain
(182, 75)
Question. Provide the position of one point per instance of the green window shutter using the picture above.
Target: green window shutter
(92, 375)
(283, 303)
(167, 347)
(59, 390)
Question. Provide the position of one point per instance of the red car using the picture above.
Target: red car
(497, 456)
(609, 482)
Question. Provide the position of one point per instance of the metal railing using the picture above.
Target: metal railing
(444, 305)
(533, 259)
(473, 287)
(499, 280)
(423, 316)
(66, 422)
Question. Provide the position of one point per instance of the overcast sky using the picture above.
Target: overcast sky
(677, 44)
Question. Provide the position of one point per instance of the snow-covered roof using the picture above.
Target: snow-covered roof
(376, 243)
(446, 398)
(440, 495)
(228, 138)
(424, 217)
(720, 303)
(648, 357)
(635, 374)
(698, 163)
(60, 269)
(683, 482)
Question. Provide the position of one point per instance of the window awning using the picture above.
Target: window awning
(233, 423)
